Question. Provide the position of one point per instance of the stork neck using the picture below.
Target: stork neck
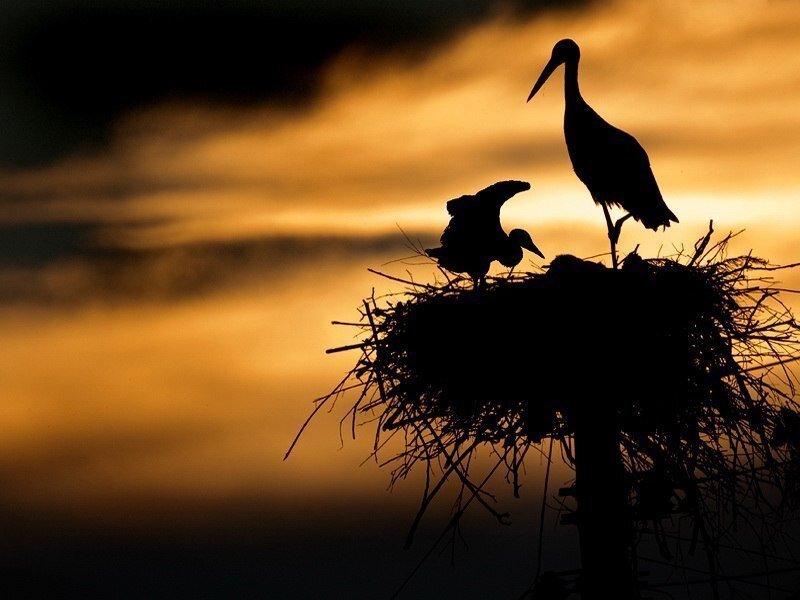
(572, 92)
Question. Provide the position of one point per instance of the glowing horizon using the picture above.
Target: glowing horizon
(711, 91)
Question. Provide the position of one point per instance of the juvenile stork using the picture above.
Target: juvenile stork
(474, 237)
(610, 162)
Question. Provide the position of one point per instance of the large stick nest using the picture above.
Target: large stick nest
(690, 354)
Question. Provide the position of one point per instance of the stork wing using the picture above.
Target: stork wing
(458, 206)
(625, 148)
(492, 196)
(640, 193)
(497, 193)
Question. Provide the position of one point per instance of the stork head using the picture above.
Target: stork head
(522, 238)
(565, 51)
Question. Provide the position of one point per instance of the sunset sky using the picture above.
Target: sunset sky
(188, 197)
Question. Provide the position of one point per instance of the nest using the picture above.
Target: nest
(690, 355)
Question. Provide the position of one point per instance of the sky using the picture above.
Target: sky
(190, 195)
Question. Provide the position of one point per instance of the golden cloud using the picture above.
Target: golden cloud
(202, 395)
(711, 90)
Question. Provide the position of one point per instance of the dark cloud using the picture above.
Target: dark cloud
(66, 263)
(38, 244)
(69, 68)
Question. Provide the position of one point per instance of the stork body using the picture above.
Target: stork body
(610, 162)
(474, 237)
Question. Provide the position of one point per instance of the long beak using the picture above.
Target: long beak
(532, 247)
(546, 72)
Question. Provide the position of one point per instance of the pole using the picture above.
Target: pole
(603, 514)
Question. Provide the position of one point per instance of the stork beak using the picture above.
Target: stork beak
(529, 245)
(551, 66)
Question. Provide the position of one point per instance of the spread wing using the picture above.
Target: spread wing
(461, 205)
(489, 198)
(497, 193)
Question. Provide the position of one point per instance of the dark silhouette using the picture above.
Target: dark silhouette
(656, 381)
(549, 587)
(474, 237)
(609, 161)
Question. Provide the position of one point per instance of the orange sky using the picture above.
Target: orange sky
(113, 397)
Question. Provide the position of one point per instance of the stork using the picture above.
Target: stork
(609, 161)
(474, 237)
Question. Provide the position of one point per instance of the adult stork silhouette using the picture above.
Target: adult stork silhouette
(474, 237)
(609, 161)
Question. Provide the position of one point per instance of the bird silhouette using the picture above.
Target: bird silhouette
(609, 161)
(474, 237)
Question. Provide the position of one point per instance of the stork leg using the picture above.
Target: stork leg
(613, 235)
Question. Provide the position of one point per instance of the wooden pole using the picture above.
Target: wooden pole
(603, 514)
